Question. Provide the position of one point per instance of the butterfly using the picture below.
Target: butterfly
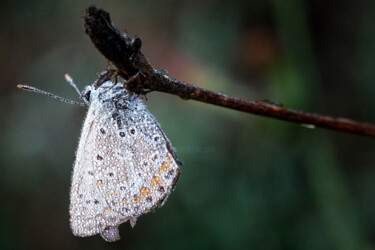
(125, 165)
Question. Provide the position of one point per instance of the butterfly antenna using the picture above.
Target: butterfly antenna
(62, 99)
(69, 79)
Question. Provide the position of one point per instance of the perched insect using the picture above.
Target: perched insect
(125, 165)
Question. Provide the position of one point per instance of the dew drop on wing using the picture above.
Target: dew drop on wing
(110, 234)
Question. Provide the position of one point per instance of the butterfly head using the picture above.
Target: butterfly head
(91, 93)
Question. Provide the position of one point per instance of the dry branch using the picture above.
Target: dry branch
(125, 55)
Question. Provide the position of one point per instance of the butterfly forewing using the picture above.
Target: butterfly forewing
(85, 199)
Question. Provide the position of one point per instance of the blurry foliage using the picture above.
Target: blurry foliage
(247, 182)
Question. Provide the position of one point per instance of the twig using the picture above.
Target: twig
(126, 56)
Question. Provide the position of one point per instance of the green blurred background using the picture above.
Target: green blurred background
(248, 182)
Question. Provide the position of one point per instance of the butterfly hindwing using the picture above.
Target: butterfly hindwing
(137, 170)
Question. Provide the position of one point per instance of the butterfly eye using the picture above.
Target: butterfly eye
(86, 96)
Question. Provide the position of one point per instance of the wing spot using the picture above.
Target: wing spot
(156, 138)
(110, 174)
(119, 124)
(145, 191)
(156, 181)
(99, 157)
(132, 131)
(136, 199)
(169, 157)
(149, 199)
(122, 134)
(108, 210)
(96, 202)
(102, 131)
(165, 166)
(161, 189)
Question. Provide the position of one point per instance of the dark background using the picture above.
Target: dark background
(248, 182)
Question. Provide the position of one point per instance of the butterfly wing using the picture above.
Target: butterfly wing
(87, 205)
(125, 167)
(138, 170)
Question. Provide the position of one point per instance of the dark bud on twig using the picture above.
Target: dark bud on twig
(106, 76)
(137, 44)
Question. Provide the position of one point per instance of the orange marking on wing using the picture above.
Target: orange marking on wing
(156, 181)
(145, 191)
